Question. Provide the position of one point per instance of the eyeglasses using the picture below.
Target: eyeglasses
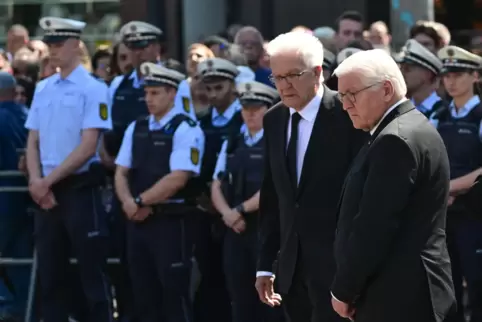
(290, 78)
(351, 96)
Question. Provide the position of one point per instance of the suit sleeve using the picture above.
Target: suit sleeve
(391, 173)
(269, 212)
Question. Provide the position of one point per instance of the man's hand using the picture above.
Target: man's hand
(22, 165)
(130, 208)
(239, 226)
(38, 188)
(231, 218)
(48, 202)
(344, 310)
(142, 214)
(451, 200)
(264, 286)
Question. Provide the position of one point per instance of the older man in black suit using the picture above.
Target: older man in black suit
(309, 146)
(390, 247)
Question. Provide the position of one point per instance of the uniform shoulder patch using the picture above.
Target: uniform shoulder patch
(103, 111)
(195, 156)
(186, 104)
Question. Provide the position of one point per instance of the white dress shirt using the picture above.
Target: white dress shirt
(305, 127)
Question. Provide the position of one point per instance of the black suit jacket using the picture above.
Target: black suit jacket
(390, 248)
(304, 219)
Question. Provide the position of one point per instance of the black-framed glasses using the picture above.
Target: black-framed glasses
(290, 78)
(351, 96)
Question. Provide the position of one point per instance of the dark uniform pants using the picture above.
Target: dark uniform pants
(240, 257)
(212, 302)
(464, 239)
(159, 252)
(79, 218)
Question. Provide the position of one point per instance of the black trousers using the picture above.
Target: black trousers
(79, 220)
(464, 241)
(308, 300)
(159, 252)
(212, 302)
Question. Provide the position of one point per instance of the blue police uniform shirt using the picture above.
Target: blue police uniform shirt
(222, 157)
(262, 75)
(220, 120)
(427, 105)
(61, 109)
(462, 112)
(13, 135)
(184, 140)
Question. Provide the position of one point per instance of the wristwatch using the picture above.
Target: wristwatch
(138, 201)
(240, 208)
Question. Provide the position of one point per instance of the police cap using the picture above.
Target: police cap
(345, 53)
(415, 53)
(217, 68)
(60, 29)
(456, 59)
(329, 59)
(256, 93)
(158, 75)
(139, 34)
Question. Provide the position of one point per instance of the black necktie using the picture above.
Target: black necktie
(291, 152)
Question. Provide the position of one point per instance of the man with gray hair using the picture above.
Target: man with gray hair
(390, 248)
(309, 146)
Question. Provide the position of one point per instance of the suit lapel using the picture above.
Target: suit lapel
(396, 112)
(322, 122)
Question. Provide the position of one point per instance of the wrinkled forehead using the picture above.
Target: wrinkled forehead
(287, 61)
(350, 81)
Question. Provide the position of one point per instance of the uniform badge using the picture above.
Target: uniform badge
(210, 64)
(133, 28)
(48, 23)
(147, 70)
(194, 156)
(348, 54)
(186, 104)
(248, 87)
(103, 112)
(450, 52)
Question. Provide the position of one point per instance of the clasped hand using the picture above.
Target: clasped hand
(234, 220)
(134, 213)
(344, 310)
(41, 193)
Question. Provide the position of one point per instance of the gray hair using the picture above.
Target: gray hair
(374, 66)
(306, 45)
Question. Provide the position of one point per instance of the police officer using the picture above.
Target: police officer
(460, 127)
(68, 113)
(219, 122)
(235, 195)
(420, 68)
(158, 157)
(126, 91)
(15, 224)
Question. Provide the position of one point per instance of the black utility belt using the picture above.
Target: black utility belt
(173, 209)
(77, 181)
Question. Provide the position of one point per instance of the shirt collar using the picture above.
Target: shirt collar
(157, 125)
(386, 113)
(230, 111)
(311, 109)
(77, 76)
(428, 103)
(469, 106)
(256, 137)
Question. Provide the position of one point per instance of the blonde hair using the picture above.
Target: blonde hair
(209, 52)
(85, 56)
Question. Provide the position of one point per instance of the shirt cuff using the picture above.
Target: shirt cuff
(264, 273)
(332, 295)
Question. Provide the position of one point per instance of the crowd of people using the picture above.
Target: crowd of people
(134, 155)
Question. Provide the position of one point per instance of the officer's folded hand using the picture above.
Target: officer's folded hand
(234, 220)
(38, 189)
(142, 214)
(48, 202)
(130, 208)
